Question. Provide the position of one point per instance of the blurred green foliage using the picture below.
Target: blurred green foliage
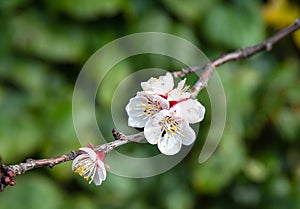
(43, 46)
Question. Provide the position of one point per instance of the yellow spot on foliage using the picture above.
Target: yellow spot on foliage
(281, 13)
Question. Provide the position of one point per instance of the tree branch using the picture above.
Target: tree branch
(239, 54)
(8, 172)
(252, 50)
(120, 139)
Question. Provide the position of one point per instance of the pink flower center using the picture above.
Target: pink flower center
(173, 103)
(100, 156)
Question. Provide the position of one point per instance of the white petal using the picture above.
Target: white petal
(97, 179)
(135, 110)
(181, 84)
(191, 110)
(92, 154)
(100, 174)
(133, 102)
(177, 95)
(101, 166)
(164, 104)
(161, 85)
(169, 144)
(136, 122)
(187, 134)
(153, 129)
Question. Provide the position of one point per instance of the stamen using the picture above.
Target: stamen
(86, 168)
(169, 125)
(185, 88)
(150, 108)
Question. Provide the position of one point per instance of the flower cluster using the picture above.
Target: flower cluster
(165, 113)
(90, 165)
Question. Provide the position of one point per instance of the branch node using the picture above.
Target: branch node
(186, 70)
(51, 165)
(30, 163)
(269, 46)
(73, 154)
(118, 135)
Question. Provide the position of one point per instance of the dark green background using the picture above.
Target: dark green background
(44, 45)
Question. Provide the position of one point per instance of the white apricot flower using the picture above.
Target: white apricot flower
(169, 129)
(90, 165)
(169, 132)
(149, 101)
(143, 106)
(165, 113)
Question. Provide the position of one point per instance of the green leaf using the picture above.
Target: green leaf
(19, 130)
(288, 124)
(33, 192)
(212, 176)
(8, 5)
(153, 21)
(56, 43)
(87, 9)
(191, 10)
(236, 26)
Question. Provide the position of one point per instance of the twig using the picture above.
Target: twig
(252, 50)
(239, 54)
(8, 172)
(120, 139)
(30, 164)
